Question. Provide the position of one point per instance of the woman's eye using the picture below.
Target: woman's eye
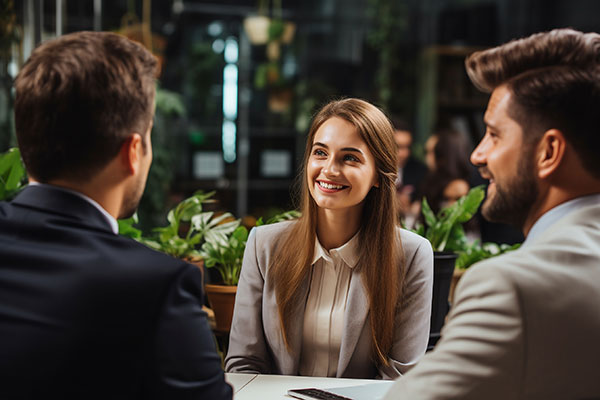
(350, 157)
(319, 152)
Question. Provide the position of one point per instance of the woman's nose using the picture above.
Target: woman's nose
(331, 167)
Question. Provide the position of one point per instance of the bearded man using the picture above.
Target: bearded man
(525, 325)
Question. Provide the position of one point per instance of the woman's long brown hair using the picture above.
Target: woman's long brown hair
(380, 248)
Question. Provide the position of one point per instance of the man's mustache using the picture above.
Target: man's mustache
(485, 172)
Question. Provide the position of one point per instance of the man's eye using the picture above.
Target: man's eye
(492, 134)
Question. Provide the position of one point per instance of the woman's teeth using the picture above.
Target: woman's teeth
(330, 186)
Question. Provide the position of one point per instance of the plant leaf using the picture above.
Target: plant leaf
(470, 203)
(428, 215)
(284, 216)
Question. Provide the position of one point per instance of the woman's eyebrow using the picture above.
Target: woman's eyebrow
(352, 149)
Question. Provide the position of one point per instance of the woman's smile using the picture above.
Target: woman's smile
(330, 187)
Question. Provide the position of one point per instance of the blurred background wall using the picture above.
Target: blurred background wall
(241, 79)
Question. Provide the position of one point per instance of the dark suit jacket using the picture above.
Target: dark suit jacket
(87, 314)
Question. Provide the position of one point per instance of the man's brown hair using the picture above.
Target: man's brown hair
(78, 98)
(555, 81)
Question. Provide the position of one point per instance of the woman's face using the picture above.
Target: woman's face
(341, 169)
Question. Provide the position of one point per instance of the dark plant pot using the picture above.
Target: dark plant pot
(443, 268)
(222, 300)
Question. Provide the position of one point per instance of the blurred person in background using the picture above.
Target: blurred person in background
(411, 171)
(447, 179)
(447, 159)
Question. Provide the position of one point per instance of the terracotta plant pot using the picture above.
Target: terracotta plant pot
(222, 300)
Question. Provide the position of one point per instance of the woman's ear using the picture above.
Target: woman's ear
(551, 151)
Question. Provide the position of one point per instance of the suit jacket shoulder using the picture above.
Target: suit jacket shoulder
(93, 314)
(522, 323)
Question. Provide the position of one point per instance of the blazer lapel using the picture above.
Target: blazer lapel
(355, 316)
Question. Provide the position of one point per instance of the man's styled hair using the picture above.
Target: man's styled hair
(78, 98)
(554, 78)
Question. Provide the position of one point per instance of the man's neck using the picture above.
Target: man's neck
(106, 197)
(552, 198)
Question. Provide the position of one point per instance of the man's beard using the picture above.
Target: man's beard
(512, 202)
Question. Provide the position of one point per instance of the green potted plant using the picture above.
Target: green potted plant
(226, 257)
(446, 234)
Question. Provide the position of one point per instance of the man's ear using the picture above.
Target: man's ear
(131, 153)
(551, 151)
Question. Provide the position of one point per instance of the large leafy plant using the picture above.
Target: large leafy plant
(190, 226)
(12, 174)
(445, 230)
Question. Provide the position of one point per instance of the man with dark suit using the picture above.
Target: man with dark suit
(525, 325)
(84, 312)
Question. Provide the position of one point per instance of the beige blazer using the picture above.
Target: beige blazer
(525, 325)
(256, 344)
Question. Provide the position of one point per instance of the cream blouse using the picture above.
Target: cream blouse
(325, 308)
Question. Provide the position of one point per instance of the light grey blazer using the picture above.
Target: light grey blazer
(256, 344)
(525, 325)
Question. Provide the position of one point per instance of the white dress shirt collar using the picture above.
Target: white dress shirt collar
(114, 225)
(556, 213)
(348, 252)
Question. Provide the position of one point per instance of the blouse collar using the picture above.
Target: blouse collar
(348, 252)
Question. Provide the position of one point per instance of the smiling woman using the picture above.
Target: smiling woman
(343, 291)
(341, 171)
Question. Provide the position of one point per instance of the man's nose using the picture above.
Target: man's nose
(478, 156)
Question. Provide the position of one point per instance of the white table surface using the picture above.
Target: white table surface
(238, 381)
(271, 387)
